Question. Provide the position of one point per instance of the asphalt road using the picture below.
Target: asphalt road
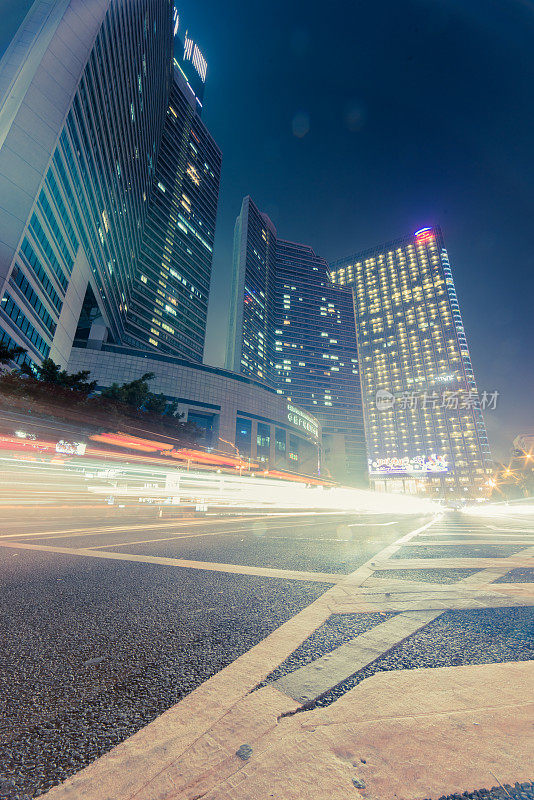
(109, 617)
(93, 648)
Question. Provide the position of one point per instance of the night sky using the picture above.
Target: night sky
(353, 123)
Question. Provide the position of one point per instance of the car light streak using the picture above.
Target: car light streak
(161, 484)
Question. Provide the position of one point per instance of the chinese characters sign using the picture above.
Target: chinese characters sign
(303, 420)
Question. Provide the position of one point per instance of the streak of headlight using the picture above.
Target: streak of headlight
(500, 509)
(162, 485)
(245, 491)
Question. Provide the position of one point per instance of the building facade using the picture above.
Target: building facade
(85, 93)
(169, 303)
(316, 362)
(251, 327)
(523, 445)
(422, 411)
(235, 413)
(290, 328)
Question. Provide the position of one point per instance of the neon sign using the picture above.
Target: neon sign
(417, 465)
(424, 235)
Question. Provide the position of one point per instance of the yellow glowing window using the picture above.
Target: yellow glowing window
(193, 174)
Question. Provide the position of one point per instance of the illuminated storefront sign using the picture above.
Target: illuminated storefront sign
(408, 466)
(302, 420)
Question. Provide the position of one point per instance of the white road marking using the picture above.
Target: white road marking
(92, 531)
(371, 524)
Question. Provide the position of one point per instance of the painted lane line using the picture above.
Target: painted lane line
(255, 535)
(105, 532)
(93, 531)
(510, 530)
(468, 542)
(385, 554)
(151, 541)
(316, 678)
(319, 577)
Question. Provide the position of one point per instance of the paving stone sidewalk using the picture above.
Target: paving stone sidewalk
(406, 736)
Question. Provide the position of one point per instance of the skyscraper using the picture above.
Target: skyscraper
(292, 329)
(422, 411)
(85, 91)
(316, 361)
(251, 329)
(169, 304)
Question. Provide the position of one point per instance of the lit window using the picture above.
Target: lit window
(193, 174)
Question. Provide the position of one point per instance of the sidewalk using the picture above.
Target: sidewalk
(404, 735)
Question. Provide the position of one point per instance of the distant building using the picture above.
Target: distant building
(290, 328)
(423, 419)
(89, 246)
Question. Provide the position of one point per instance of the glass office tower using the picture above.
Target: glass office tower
(316, 362)
(87, 94)
(83, 92)
(169, 305)
(292, 329)
(251, 328)
(422, 411)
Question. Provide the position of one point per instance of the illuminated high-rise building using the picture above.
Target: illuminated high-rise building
(250, 336)
(87, 138)
(292, 329)
(169, 304)
(316, 360)
(422, 411)
(189, 60)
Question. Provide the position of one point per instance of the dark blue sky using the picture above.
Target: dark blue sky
(12, 13)
(420, 112)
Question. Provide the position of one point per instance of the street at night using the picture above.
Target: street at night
(108, 624)
(266, 434)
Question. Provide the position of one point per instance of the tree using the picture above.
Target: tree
(50, 372)
(172, 410)
(155, 403)
(9, 354)
(135, 393)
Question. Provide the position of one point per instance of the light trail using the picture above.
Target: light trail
(164, 485)
(187, 525)
(509, 510)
